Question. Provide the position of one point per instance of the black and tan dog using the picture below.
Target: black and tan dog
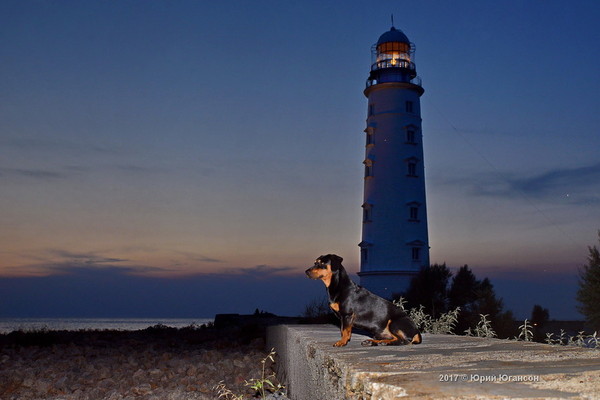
(356, 307)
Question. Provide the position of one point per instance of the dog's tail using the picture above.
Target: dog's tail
(417, 339)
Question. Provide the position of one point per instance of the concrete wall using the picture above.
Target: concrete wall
(443, 367)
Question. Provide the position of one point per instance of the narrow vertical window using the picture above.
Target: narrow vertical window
(371, 109)
(364, 252)
(409, 107)
(367, 212)
(410, 136)
(364, 255)
(368, 168)
(416, 253)
(370, 131)
(414, 213)
(412, 168)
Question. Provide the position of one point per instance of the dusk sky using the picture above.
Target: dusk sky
(186, 158)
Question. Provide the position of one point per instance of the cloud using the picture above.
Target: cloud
(258, 272)
(129, 260)
(25, 143)
(53, 174)
(37, 174)
(67, 158)
(94, 270)
(69, 268)
(201, 258)
(579, 185)
(265, 270)
(137, 169)
(90, 258)
(63, 262)
(51, 145)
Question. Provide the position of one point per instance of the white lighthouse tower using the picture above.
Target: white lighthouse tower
(395, 242)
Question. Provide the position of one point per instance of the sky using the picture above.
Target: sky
(188, 158)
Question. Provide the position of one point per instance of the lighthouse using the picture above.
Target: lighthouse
(395, 242)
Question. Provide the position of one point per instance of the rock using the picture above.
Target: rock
(60, 383)
(239, 363)
(41, 386)
(28, 382)
(142, 389)
(114, 395)
(139, 374)
(107, 384)
(191, 371)
(125, 366)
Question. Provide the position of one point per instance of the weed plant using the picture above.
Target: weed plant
(447, 322)
(526, 333)
(262, 386)
(484, 327)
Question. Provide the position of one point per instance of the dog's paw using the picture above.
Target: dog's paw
(340, 343)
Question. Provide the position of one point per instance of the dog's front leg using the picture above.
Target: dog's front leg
(347, 321)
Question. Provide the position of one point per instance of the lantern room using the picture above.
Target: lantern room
(392, 59)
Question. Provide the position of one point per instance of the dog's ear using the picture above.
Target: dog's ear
(335, 257)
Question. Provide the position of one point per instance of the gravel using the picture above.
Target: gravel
(156, 363)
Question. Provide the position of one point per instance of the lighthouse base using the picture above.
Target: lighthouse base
(387, 284)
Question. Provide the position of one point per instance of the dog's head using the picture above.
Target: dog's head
(325, 268)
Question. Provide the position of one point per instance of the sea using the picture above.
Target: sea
(8, 325)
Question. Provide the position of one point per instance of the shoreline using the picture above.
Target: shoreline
(155, 363)
(8, 325)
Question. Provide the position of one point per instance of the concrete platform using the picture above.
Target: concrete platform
(442, 367)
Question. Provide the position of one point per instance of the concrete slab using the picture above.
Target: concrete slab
(442, 367)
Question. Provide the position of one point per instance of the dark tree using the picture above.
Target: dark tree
(430, 289)
(488, 304)
(505, 325)
(539, 316)
(463, 290)
(588, 294)
(463, 293)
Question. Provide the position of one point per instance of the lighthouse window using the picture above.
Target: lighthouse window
(410, 136)
(416, 254)
(409, 107)
(367, 215)
(367, 212)
(414, 213)
(412, 168)
(364, 254)
(371, 109)
(368, 168)
(389, 47)
(370, 131)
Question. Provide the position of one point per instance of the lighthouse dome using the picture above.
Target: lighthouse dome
(393, 35)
